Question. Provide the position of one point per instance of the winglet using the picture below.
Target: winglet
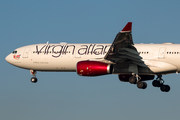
(127, 28)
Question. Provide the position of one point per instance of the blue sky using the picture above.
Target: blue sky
(65, 96)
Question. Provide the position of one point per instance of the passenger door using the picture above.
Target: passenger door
(161, 54)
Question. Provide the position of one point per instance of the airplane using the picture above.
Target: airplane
(133, 63)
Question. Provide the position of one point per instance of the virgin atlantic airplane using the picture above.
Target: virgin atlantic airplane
(133, 63)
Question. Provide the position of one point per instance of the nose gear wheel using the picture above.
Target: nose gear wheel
(33, 79)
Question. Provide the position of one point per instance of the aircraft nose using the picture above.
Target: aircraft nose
(8, 58)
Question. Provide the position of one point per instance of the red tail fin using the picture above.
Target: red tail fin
(127, 28)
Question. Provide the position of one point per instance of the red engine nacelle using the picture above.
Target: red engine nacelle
(125, 77)
(93, 68)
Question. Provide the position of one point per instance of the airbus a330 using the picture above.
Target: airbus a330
(133, 63)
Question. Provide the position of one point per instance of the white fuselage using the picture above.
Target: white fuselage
(160, 58)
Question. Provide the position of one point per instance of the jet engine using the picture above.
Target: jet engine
(93, 68)
(125, 77)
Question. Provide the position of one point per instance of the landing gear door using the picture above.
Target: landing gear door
(26, 53)
(162, 52)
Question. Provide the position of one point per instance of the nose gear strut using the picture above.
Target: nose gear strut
(33, 79)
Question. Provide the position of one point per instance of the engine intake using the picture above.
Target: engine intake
(93, 68)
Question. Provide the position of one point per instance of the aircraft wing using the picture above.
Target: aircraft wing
(122, 49)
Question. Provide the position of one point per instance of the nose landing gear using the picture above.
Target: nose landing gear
(159, 82)
(33, 79)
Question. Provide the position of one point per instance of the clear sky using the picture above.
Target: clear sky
(67, 96)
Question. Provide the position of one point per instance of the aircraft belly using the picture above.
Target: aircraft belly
(161, 67)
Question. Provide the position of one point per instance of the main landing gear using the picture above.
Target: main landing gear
(33, 79)
(159, 82)
(135, 79)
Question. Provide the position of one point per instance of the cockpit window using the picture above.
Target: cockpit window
(14, 52)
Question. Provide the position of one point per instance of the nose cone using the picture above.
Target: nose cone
(8, 58)
(14, 59)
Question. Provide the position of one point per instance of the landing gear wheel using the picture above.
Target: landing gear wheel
(159, 82)
(142, 85)
(145, 85)
(132, 80)
(34, 80)
(165, 88)
(156, 83)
